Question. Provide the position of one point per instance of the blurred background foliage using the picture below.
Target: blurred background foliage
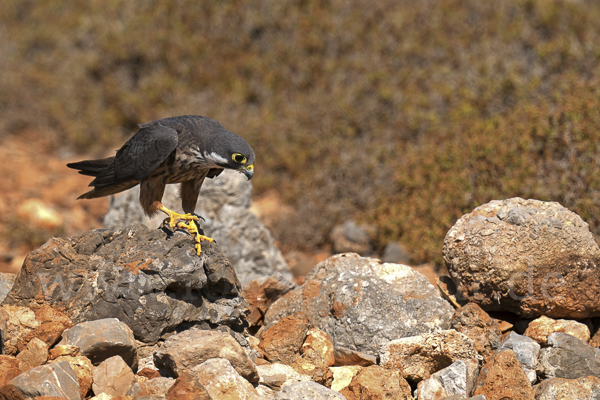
(402, 114)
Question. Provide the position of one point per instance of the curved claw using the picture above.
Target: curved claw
(193, 229)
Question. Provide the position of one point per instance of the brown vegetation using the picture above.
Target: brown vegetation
(405, 114)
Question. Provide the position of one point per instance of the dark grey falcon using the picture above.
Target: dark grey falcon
(185, 149)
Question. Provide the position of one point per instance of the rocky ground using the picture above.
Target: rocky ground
(131, 312)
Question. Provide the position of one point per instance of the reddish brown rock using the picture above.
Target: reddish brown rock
(261, 293)
(49, 332)
(34, 355)
(375, 382)
(311, 363)
(188, 387)
(63, 350)
(420, 356)
(148, 373)
(320, 342)
(529, 257)
(503, 378)
(479, 326)
(9, 368)
(155, 386)
(113, 376)
(344, 356)
(539, 329)
(282, 341)
(83, 369)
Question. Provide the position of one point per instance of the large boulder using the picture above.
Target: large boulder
(225, 206)
(152, 280)
(525, 256)
(362, 303)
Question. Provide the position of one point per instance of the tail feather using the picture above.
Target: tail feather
(91, 167)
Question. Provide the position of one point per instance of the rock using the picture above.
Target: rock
(351, 238)
(282, 341)
(101, 339)
(112, 376)
(503, 378)
(457, 379)
(48, 332)
(148, 373)
(222, 381)
(15, 323)
(225, 207)
(585, 388)
(344, 356)
(376, 382)
(83, 369)
(6, 283)
(320, 342)
(63, 350)
(568, 358)
(9, 368)
(153, 281)
(307, 391)
(265, 393)
(188, 387)
(420, 356)
(183, 351)
(395, 253)
(525, 256)
(311, 363)
(158, 385)
(34, 355)
(539, 329)
(102, 396)
(277, 375)
(342, 376)
(479, 326)
(56, 379)
(261, 293)
(526, 351)
(344, 296)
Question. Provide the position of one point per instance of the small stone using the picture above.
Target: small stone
(112, 376)
(222, 381)
(185, 350)
(261, 293)
(63, 350)
(526, 350)
(307, 391)
(376, 382)
(420, 356)
(278, 375)
(312, 364)
(457, 379)
(479, 326)
(34, 355)
(102, 396)
(56, 379)
(9, 368)
(282, 341)
(101, 339)
(15, 323)
(503, 378)
(342, 376)
(83, 369)
(568, 358)
(148, 373)
(188, 387)
(6, 282)
(319, 341)
(344, 356)
(584, 388)
(539, 329)
(351, 238)
(158, 385)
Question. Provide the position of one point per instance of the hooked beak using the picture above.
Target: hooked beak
(248, 170)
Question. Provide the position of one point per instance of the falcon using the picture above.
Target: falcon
(185, 150)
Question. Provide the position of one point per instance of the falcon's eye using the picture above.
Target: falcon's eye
(238, 158)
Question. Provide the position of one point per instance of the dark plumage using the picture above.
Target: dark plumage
(184, 150)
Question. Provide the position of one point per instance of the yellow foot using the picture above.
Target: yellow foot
(173, 216)
(193, 229)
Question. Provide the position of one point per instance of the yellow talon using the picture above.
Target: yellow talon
(173, 216)
(193, 229)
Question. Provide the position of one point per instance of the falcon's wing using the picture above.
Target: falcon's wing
(145, 151)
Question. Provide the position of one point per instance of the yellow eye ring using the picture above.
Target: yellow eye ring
(238, 158)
